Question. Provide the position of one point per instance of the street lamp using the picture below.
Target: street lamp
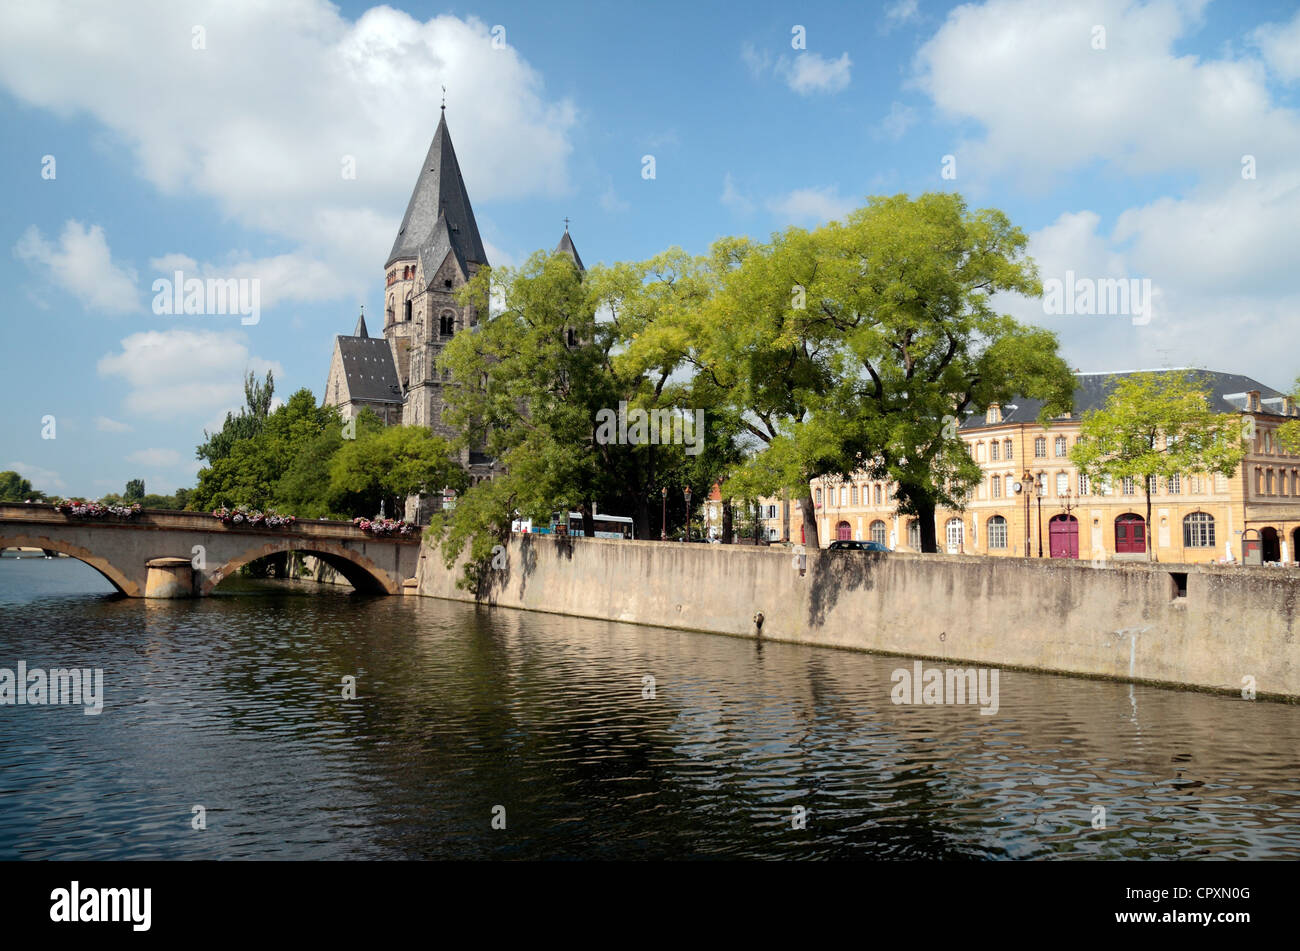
(663, 517)
(687, 492)
(1038, 492)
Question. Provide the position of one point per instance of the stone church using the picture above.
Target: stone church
(437, 251)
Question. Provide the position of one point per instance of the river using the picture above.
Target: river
(500, 734)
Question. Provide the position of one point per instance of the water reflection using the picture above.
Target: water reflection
(235, 703)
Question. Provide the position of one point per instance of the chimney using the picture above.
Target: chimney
(1252, 400)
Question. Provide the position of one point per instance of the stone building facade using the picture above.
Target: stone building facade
(1033, 502)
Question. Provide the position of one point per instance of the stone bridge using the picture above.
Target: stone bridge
(162, 554)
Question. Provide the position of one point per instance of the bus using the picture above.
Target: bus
(606, 526)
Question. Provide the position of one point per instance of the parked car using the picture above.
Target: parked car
(841, 544)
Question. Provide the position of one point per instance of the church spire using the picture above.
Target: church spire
(439, 192)
(566, 246)
(361, 325)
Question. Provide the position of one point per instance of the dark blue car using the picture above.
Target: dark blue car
(841, 544)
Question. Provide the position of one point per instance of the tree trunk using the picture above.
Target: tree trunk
(727, 527)
(809, 518)
(1151, 546)
(588, 522)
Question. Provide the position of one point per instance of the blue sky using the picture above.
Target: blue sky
(211, 137)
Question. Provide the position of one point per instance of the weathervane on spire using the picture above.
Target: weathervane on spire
(444, 98)
(566, 224)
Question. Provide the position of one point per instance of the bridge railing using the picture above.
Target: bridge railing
(154, 519)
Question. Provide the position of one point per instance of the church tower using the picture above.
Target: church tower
(437, 251)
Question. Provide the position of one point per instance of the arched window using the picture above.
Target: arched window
(914, 535)
(997, 532)
(997, 485)
(447, 324)
(843, 532)
(1040, 447)
(406, 309)
(1198, 530)
(955, 535)
(878, 532)
(390, 313)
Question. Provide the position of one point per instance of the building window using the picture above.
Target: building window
(1152, 485)
(997, 485)
(819, 496)
(1127, 485)
(878, 494)
(914, 535)
(979, 452)
(1198, 530)
(1040, 447)
(844, 495)
(447, 325)
(1060, 447)
(854, 494)
(997, 532)
(1042, 484)
(955, 535)
(1175, 484)
(878, 532)
(1062, 484)
(1083, 484)
(1007, 445)
(994, 446)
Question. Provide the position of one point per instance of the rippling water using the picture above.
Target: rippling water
(235, 703)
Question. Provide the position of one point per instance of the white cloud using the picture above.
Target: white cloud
(263, 119)
(811, 205)
(42, 480)
(904, 11)
(106, 425)
(610, 201)
(155, 457)
(80, 265)
(1048, 102)
(808, 73)
(296, 276)
(895, 125)
(1280, 45)
(755, 60)
(733, 198)
(185, 373)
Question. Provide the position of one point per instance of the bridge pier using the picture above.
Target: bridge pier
(169, 578)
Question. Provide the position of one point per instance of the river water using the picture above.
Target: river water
(466, 718)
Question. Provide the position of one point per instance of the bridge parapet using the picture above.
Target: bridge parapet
(122, 550)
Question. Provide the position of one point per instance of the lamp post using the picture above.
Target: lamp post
(687, 492)
(663, 516)
(1038, 492)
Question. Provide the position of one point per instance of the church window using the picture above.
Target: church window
(447, 325)
(406, 312)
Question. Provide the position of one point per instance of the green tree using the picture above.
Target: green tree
(14, 488)
(251, 467)
(394, 463)
(134, 491)
(1288, 433)
(1157, 425)
(252, 416)
(863, 344)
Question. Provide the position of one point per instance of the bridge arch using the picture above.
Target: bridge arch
(116, 578)
(362, 573)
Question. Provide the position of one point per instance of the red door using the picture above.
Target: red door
(844, 532)
(1063, 530)
(1130, 535)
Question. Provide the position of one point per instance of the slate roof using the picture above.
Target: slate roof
(369, 368)
(361, 327)
(439, 193)
(1228, 391)
(434, 251)
(566, 247)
